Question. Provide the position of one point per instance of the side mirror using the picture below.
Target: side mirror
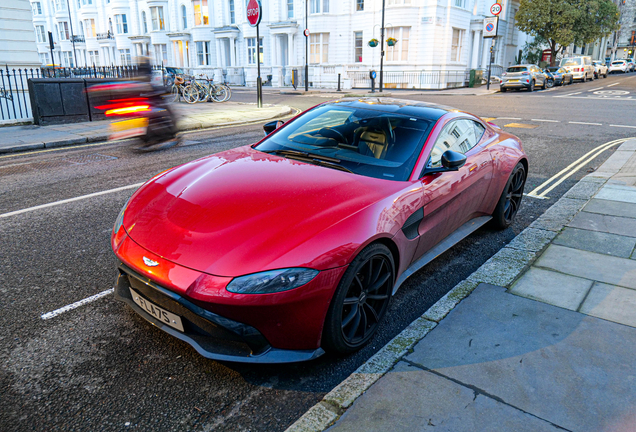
(452, 160)
(272, 126)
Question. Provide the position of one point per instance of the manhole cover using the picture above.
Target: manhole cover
(95, 157)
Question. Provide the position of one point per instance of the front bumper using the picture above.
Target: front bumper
(213, 336)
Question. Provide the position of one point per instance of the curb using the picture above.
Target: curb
(198, 126)
(502, 269)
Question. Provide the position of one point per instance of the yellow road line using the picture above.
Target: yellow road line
(521, 125)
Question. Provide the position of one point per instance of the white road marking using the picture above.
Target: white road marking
(624, 126)
(600, 88)
(613, 84)
(586, 123)
(544, 120)
(508, 118)
(626, 98)
(56, 203)
(77, 304)
(562, 175)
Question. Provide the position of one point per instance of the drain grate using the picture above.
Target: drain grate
(95, 157)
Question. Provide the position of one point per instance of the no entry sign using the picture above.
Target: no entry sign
(254, 12)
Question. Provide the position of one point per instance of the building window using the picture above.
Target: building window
(122, 24)
(319, 6)
(60, 5)
(161, 53)
(156, 13)
(110, 26)
(89, 28)
(184, 17)
(63, 27)
(94, 57)
(203, 53)
(41, 35)
(44, 58)
(124, 54)
(67, 59)
(231, 8)
(357, 36)
(398, 2)
(359, 5)
(87, 2)
(200, 12)
(144, 22)
(319, 48)
(290, 8)
(251, 50)
(37, 8)
(400, 51)
(456, 45)
(460, 3)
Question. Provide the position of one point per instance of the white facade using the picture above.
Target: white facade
(213, 36)
(16, 35)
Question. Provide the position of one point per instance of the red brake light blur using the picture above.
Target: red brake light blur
(127, 110)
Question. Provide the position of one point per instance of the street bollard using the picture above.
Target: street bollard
(338, 83)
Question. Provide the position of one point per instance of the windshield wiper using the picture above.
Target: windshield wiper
(325, 161)
(302, 154)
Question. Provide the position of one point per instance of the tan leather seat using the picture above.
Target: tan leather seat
(375, 137)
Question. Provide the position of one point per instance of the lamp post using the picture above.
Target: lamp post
(70, 23)
(306, 47)
(382, 49)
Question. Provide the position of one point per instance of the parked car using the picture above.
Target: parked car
(630, 64)
(526, 76)
(279, 251)
(561, 75)
(600, 69)
(581, 67)
(619, 66)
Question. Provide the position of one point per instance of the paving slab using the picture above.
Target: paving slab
(551, 287)
(589, 265)
(411, 399)
(596, 241)
(604, 223)
(611, 208)
(614, 192)
(612, 303)
(615, 162)
(572, 370)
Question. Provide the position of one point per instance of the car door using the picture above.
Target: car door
(452, 198)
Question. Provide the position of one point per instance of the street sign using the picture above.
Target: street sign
(254, 12)
(306, 32)
(490, 27)
(495, 9)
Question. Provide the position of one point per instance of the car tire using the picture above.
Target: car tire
(503, 89)
(584, 78)
(372, 272)
(510, 199)
(531, 88)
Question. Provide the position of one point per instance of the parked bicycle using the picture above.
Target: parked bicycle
(203, 89)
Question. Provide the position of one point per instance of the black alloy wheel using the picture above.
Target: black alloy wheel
(510, 199)
(531, 88)
(361, 300)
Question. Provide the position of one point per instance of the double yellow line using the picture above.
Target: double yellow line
(569, 170)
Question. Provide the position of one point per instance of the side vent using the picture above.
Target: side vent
(412, 223)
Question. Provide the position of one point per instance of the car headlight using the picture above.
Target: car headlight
(120, 219)
(271, 281)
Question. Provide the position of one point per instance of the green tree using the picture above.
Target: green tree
(532, 51)
(563, 22)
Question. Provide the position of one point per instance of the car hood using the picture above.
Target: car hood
(244, 211)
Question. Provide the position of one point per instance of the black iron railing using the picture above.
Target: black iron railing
(107, 35)
(413, 79)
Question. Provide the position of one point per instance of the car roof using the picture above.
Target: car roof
(422, 110)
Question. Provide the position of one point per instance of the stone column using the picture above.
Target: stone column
(232, 51)
(475, 53)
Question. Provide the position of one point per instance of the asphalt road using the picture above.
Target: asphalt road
(101, 367)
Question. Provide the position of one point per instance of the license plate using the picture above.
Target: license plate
(157, 312)
(128, 128)
(513, 80)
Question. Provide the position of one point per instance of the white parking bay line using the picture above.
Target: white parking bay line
(600, 88)
(77, 304)
(544, 120)
(585, 123)
(624, 126)
(17, 212)
(613, 84)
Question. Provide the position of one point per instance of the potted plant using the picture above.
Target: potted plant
(373, 43)
(391, 41)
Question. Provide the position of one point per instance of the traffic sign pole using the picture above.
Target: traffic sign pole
(254, 15)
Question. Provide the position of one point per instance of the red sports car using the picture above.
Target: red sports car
(278, 251)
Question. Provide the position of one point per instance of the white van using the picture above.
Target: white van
(581, 67)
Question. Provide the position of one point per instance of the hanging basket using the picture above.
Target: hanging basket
(373, 43)
(391, 41)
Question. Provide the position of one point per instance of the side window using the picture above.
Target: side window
(459, 136)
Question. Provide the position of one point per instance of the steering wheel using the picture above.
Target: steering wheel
(328, 131)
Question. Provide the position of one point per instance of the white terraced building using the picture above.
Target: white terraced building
(213, 37)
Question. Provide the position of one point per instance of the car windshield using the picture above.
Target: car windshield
(517, 69)
(364, 141)
(571, 62)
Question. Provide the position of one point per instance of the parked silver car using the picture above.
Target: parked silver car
(581, 67)
(600, 69)
(619, 66)
(526, 76)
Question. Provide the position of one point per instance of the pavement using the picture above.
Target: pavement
(540, 338)
(191, 117)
